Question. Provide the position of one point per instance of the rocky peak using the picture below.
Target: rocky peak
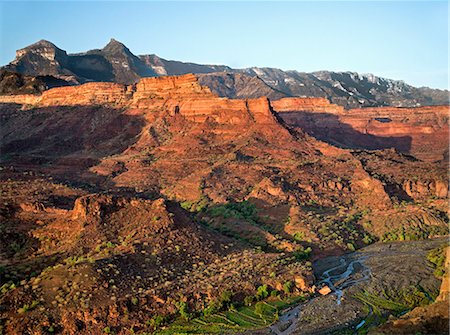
(115, 47)
(43, 43)
(43, 48)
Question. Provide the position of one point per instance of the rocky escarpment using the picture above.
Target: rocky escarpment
(177, 95)
(420, 131)
(306, 104)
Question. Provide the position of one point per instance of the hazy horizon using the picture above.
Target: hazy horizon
(398, 40)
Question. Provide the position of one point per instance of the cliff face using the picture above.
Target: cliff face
(306, 104)
(421, 131)
(176, 95)
(87, 94)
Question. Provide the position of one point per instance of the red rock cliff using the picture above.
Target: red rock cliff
(306, 104)
(421, 131)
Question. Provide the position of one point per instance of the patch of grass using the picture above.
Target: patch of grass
(239, 210)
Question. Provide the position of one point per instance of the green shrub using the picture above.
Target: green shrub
(156, 321)
(28, 307)
(239, 210)
(367, 239)
(287, 287)
(274, 293)
(299, 236)
(302, 254)
(196, 206)
(262, 292)
(225, 298)
(183, 310)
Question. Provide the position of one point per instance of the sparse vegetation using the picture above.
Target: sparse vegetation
(437, 258)
(28, 307)
(239, 210)
(183, 310)
(414, 233)
(382, 304)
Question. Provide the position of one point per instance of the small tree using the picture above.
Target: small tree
(287, 287)
(262, 292)
(183, 310)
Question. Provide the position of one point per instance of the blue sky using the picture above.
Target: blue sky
(396, 39)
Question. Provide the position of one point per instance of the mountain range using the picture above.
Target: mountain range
(116, 63)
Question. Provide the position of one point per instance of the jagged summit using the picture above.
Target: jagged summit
(114, 46)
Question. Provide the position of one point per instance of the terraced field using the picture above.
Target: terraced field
(257, 316)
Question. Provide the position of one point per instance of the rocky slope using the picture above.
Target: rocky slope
(116, 63)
